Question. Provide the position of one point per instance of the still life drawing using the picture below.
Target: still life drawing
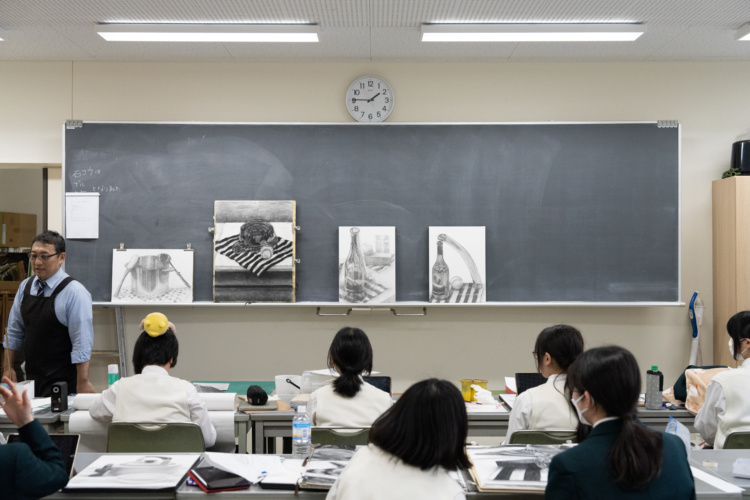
(254, 251)
(132, 471)
(457, 264)
(325, 466)
(152, 275)
(367, 264)
(512, 467)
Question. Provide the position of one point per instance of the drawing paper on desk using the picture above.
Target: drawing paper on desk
(134, 472)
(325, 466)
(457, 264)
(142, 276)
(512, 467)
(367, 264)
(254, 251)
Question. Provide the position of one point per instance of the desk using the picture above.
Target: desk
(704, 491)
(725, 459)
(275, 424)
(52, 422)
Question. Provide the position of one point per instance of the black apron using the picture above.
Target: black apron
(47, 342)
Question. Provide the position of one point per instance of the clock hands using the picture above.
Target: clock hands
(354, 99)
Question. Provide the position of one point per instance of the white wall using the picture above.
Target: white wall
(709, 99)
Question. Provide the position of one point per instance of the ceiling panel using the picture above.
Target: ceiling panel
(372, 29)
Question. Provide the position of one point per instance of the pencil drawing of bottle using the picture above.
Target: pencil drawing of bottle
(355, 271)
(440, 275)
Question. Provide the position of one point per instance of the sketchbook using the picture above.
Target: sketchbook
(522, 468)
(154, 472)
(325, 465)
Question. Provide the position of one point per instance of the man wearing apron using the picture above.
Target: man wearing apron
(51, 318)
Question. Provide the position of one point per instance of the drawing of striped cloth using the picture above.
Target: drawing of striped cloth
(252, 261)
(467, 294)
(372, 289)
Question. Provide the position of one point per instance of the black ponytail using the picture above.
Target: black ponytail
(612, 378)
(351, 353)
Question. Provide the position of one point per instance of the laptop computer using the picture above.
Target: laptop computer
(382, 383)
(66, 443)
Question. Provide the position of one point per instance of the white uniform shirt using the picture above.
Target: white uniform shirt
(544, 407)
(712, 421)
(330, 409)
(154, 396)
(373, 474)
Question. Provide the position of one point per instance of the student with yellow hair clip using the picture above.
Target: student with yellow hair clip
(152, 395)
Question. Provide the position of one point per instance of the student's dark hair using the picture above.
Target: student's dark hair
(426, 427)
(351, 352)
(51, 238)
(611, 376)
(159, 350)
(563, 342)
(738, 327)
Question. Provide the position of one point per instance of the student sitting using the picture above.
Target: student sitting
(546, 407)
(348, 401)
(33, 468)
(620, 458)
(412, 447)
(726, 408)
(152, 395)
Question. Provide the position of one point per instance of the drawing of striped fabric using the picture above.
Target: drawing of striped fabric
(467, 294)
(252, 261)
(372, 289)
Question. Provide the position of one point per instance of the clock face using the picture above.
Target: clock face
(369, 99)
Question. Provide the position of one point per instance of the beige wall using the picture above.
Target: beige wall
(709, 100)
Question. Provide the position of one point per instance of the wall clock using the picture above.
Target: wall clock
(369, 99)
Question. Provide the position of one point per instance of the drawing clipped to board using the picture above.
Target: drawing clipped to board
(254, 251)
(457, 264)
(152, 275)
(367, 267)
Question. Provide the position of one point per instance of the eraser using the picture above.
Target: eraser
(710, 463)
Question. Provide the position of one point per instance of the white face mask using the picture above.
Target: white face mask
(579, 411)
(739, 356)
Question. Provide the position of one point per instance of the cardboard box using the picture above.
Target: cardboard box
(17, 229)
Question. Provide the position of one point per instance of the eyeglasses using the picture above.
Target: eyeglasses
(44, 257)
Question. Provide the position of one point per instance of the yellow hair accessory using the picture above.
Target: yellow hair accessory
(155, 324)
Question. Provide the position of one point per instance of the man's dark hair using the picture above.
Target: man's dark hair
(51, 238)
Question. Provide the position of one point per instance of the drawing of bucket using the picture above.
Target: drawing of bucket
(151, 276)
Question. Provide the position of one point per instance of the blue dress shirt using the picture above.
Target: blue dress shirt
(73, 309)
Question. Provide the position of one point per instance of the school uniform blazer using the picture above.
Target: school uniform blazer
(583, 472)
(33, 468)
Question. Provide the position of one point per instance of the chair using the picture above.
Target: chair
(737, 441)
(329, 436)
(526, 381)
(543, 437)
(146, 437)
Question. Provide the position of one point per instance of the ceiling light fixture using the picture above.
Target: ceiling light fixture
(531, 32)
(743, 33)
(208, 32)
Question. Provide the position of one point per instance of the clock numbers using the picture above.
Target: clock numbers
(369, 99)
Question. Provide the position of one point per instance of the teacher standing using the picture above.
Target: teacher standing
(51, 319)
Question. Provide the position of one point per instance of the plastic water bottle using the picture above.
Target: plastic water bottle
(654, 385)
(301, 427)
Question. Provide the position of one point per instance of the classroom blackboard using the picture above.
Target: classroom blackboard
(574, 212)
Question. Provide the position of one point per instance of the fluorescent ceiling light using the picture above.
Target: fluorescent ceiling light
(208, 32)
(743, 34)
(531, 32)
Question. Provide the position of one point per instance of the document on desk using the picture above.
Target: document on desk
(714, 481)
(37, 404)
(251, 467)
(477, 408)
